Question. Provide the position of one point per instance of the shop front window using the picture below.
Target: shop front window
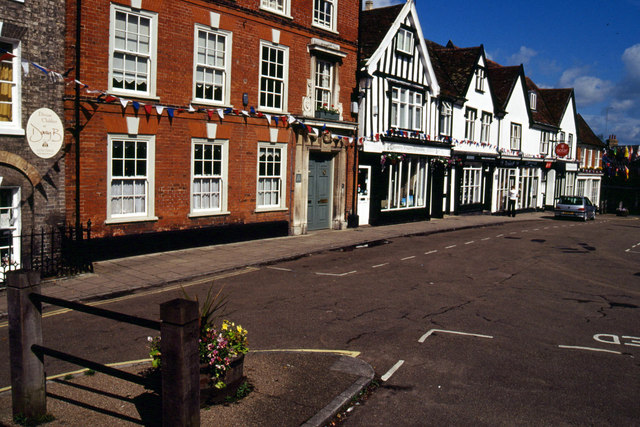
(407, 182)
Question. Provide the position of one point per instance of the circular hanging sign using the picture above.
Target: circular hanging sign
(562, 149)
(45, 133)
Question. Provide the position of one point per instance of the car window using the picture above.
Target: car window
(565, 200)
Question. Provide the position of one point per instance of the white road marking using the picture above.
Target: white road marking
(513, 232)
(486, 238)
(391, 371)
(452, 246)
(524, 231)
(336, 274)
(432, 331)
(379, 265)
(577, 347)
(500, 235)
(470, 242)
(280, 268)
(430, 252)
(408, 257)
(536, 229)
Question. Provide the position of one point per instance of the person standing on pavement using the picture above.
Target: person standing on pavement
(513, 198)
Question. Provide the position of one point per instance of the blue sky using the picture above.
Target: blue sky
(592, 46)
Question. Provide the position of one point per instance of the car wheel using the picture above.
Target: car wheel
(585, 217)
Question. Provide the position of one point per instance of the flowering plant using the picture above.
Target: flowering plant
(217, 347)
(325, 107)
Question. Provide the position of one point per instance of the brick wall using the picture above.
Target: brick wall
(176, 21)
(39, 26)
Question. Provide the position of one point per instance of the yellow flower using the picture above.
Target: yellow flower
(224, 326)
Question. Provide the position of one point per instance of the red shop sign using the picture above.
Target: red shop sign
(562, 149)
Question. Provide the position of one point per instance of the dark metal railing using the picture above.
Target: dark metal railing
(57, 251)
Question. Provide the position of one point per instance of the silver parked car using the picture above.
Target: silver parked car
(575, 207)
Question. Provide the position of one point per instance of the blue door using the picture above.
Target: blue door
(319, 202)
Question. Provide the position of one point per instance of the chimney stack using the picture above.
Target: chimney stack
(368, 5)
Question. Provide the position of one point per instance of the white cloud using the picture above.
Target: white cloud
(589, 89)
(631, 59)
(523, 56)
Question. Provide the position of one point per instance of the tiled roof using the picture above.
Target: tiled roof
(557, 101)
(374, 25)
(502, 81)
(542, 113)
(586, 135)
(453, 66)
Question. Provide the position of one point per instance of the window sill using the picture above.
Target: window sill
(207, 214)
(276, 12)
(275, 209)
(196, 102)
(132, 95)
(125, 220)
(12, 131)
(323, 28)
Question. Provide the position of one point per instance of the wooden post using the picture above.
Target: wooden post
(180, 363)
(28, 392)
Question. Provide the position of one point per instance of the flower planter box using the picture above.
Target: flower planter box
(232, 378)
(327, 115)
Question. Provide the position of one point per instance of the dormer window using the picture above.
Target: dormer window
(533, 100)
(404, 41)
(480, 78)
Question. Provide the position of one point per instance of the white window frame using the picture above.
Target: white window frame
(404, 41)
(283, 80)
(545, 139)
(570, 144)
(485, 127)
(480, 79)
(446, 112)
(280, 7)
(406, 109)
(322, 18)
(471, 188)
(271, 178)
(14, 126)
(200, 177)
(211, 69)
(151, 56)
(516, 137)
(324, 79)
(470, 116)
(403, 192)
(533, 100)
(11, 227)
(148, 179)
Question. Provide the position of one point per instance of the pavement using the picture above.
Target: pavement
(319, 385)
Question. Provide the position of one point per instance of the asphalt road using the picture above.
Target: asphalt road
(526, 323)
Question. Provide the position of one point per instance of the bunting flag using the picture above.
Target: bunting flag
(245, 113)
(275, 119)
(191, 109)
(292, 119)
(136, 106)
(268, 117)
(148, 108)
(5, 56)
(124, 103)
(159, 109)
(25, 68)
(220, 113)
(252, 110)
(110, 98)
(210, 114)
(170, 112)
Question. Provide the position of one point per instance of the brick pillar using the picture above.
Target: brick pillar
(180, 363)
(28, 393)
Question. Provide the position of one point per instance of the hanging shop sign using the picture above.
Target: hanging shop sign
(45, 133)
(562, 149)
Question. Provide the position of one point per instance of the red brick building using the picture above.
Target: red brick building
(210, 119)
